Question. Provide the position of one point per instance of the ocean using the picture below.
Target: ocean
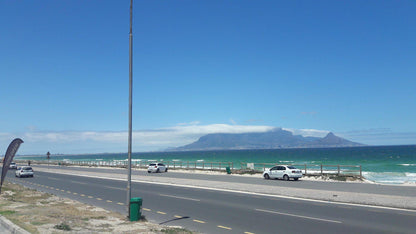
(382, 164)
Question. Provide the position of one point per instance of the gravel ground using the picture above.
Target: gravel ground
(38, 212)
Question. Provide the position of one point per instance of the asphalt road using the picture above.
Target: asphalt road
(223, 212)
(321, 185)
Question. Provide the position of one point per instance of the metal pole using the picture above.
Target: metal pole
(130, 106)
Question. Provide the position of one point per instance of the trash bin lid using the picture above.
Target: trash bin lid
(135, 199)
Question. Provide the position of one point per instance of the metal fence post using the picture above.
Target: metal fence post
(338, 170)
(322, 172)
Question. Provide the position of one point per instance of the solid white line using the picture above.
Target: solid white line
(299, 216)
(185, 198)
(244, 192)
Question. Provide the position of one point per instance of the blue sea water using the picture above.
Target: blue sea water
(383, 164)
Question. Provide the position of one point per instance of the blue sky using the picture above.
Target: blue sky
(204, 66)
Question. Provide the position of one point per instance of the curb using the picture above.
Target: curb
(6, 226)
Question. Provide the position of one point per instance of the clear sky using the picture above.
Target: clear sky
(203, 66)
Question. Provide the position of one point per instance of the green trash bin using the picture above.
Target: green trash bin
(135, 208)
(228, 170)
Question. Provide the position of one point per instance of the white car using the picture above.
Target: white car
(282, 172)
(157, 167)
(13, 165)
(25, 171)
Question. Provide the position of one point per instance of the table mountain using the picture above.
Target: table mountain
(274, 139)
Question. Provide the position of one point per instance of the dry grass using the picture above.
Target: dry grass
(39, 212)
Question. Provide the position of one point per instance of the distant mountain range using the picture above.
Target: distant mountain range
(274, 139)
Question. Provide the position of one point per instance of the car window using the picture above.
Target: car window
(291, 167)
(152, 164)
(274, 168)
(161, 164)
(281, 168)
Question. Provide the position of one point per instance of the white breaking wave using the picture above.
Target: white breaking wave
(391, 177)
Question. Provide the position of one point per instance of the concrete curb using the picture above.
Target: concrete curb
(6, 226)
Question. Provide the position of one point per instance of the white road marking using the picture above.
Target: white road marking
(299, 216)
(184, 198)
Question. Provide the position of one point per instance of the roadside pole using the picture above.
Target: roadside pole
(130, 107)
(48, 156)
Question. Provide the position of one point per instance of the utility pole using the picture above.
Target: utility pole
(130, 107)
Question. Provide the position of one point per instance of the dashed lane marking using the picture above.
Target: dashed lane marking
(248, 233)
(160, 212)
(109, 201)
(198, 221)
(184, 198)
(178, 216)
(146, 209)
(99, 199)
(223, 227)
(120, 203)
(90, 197)
(299, 216)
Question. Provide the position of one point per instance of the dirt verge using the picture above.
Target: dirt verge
(39, 212)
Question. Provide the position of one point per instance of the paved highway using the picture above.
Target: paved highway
(211, 211)
(322, 185)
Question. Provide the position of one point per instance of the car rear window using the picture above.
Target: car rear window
(152, 164)
(27, 168)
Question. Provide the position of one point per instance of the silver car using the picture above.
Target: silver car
(157, 167)
(25, 171)
(282, 172)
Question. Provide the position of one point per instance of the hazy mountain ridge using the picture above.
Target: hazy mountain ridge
(275, 139)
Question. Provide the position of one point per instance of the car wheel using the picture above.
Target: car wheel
(157, 171)
(166, 170)
(148, 171)
(295, 179)
(266, 176)
(15, 175)
(286, 177)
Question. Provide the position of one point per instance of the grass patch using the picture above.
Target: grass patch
(7, 212)
(37, 223)
(63, 227)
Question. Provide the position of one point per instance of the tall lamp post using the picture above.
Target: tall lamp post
(130, 107)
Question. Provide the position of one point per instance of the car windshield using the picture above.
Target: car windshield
(153, 164)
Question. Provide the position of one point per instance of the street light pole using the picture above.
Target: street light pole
(130, 107)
